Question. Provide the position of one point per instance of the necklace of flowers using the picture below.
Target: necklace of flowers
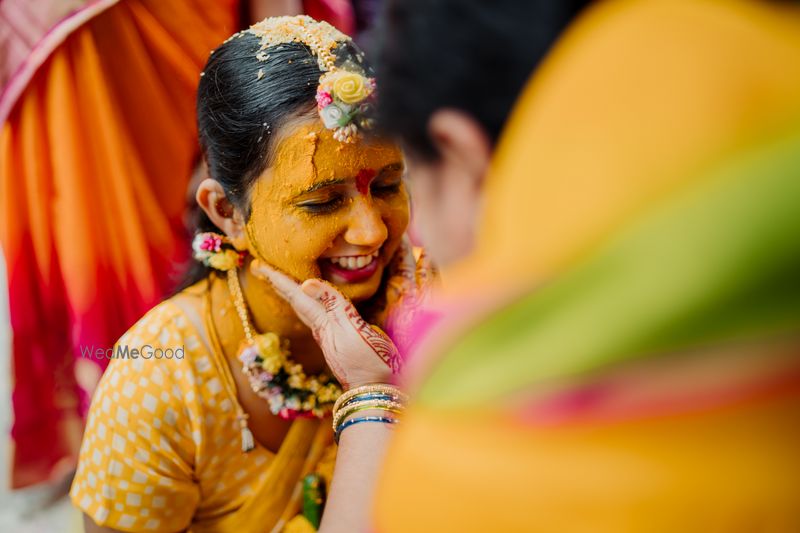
(273, 375)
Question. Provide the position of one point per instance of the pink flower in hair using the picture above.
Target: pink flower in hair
(324, 98)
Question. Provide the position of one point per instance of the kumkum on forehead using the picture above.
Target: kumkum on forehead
(363, 179)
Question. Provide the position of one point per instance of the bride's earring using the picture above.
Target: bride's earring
(216, 251)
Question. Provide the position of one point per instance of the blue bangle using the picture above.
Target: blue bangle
(370, 396)
(367, 397)
(353, 421)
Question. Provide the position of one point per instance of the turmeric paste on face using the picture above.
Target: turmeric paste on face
(315, 201)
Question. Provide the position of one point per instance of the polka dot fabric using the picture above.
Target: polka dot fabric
(162, 448)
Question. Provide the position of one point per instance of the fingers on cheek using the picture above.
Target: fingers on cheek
(257, 270)
(328, 300)
(310, 288)
(283, 290)
(314, 289)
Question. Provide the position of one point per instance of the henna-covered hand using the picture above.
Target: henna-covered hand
(357, 352)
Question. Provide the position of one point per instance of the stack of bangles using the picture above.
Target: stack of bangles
(376, 397)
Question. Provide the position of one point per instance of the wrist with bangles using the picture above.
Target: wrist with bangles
(387, 400)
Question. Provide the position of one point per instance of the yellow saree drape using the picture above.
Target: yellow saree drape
(163, 444)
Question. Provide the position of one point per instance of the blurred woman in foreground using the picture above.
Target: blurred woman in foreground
(620, 347)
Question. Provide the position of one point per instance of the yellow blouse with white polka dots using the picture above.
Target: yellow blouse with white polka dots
(162, 447)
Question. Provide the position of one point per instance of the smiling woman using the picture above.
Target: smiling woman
(314, 188)
(220, 440)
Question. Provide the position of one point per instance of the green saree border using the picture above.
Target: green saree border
(718, 263)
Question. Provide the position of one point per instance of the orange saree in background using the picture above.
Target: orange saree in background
(95, 158)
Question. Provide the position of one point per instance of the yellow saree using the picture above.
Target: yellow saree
(162, 448)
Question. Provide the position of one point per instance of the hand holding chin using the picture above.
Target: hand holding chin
(357, 352)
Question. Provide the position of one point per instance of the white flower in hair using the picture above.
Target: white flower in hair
(334, 116)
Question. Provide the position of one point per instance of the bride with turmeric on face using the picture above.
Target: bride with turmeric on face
(236, 435)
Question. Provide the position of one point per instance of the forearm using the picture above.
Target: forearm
(358, 460)
(362, 358)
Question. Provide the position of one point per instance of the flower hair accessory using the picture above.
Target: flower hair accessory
(343, 103)
(216, 251)
(344, 94)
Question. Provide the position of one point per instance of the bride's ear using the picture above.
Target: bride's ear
(212, 199)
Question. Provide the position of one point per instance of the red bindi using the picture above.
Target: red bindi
(363, 178)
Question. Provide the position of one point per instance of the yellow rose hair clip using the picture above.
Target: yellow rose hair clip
(344, 92)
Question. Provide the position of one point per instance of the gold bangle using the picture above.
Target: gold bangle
(370, 398)
(355, 410)
(371, 388)
(346, 410)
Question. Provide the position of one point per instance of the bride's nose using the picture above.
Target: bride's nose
(365, 225)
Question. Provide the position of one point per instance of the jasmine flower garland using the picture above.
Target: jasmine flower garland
(273, 375)
(288, 390)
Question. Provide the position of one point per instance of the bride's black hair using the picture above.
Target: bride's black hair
(242, 102)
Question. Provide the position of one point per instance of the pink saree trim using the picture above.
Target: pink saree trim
(618, 401)
(51, 39)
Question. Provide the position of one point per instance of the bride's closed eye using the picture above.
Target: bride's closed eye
(327, 197)
(323, 205)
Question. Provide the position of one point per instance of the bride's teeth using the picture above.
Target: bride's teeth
(354, 263)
